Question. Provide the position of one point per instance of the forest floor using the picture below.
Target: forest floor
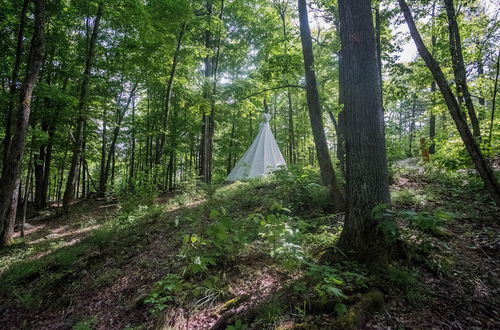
(251, 255)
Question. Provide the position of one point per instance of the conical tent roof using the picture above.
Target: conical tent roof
(261, 158)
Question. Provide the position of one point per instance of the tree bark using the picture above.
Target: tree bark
(378, 40)
(482, 166)
(11, 172)
(82, 105)
(315, 114)
(366, 163)
(13, 81)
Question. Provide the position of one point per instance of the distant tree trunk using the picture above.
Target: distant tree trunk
(231, 145)
(82, 105)
(168, 96)
(340, 140)
(211, 122)
(114, 139)
(432, 120)
(316, 117)
(10, 179)
(205, 126)
(432, 126)
(132, 151)
(482, 166)
(459, 68)
(366, 163)
(493, 102)
(29, 182)
(412, 126)
(291, 129)
(102, 183)
(480, 73)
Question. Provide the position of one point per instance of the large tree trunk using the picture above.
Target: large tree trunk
(325, 163)
(378, 32)
(366, 163)
(13, 81)
(82, 105)
(470, 142)
(11, 171)
(459, 68)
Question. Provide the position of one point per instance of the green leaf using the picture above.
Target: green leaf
(340, 309)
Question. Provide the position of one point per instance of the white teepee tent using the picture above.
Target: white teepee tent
(261, 158)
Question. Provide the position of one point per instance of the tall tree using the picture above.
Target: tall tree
(11, 171)
(366, 164)
(168, 93)
(82, 106)
(482, 166)
(459, 71)
(315, 115)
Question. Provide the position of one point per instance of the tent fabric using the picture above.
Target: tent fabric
(261, 158)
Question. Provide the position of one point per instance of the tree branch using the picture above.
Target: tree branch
(271, 89)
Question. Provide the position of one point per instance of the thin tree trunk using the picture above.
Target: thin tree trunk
(11, 171)
(82, 105)
(459, 68)
(325, 163)
(432, 125)
(168, 97)
(432, 121)
(104, 143)
(366, 163)
(29, 183)
(340, 151)
(412, 125)
(211, 131)
(470, 142)
(205, 126)
(116, 132)
(132, 151)
(493, 102)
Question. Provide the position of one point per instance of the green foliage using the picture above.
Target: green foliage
(165, 292)
(407, 281)
(302, 188)
(270, 315)
(144, 194)
(238, 325)
(85, 324)
(329, 284)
